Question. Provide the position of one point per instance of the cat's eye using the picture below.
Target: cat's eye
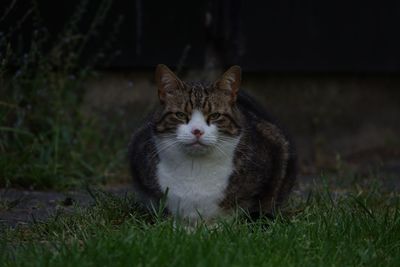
(214, 116)
(181, 115)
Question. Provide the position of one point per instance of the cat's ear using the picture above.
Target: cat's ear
(230, 81)
(167, 82)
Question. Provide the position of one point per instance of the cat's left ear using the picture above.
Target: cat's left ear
(230, 81)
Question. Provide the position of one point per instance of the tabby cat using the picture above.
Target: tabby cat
(209, 149)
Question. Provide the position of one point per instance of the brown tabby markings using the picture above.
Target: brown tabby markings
(264, 160)
(204, 97)
(247, 172)
(207, 99)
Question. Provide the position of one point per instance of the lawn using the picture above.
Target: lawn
(323, 229)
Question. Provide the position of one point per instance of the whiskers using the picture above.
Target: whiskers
(227, 142)
(221, 150)
(167, 141)
(223, 145)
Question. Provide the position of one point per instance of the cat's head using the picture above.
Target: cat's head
(198, 117)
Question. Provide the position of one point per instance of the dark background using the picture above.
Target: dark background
(273, 36)
(329, 70)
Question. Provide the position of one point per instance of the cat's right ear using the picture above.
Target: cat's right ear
(230, 81)
(167, 82)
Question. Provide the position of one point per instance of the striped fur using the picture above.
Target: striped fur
(257, 158)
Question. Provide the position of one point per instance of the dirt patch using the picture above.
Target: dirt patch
(25, 206)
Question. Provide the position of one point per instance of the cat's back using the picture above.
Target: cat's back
(265, 160)
(261, 123)
(252, 108)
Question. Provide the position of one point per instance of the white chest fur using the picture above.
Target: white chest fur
(195, 184)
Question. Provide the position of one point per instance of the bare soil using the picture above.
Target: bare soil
(27, 206)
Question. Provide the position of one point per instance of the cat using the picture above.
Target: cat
(209, 149)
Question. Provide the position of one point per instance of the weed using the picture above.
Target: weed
(45, 140)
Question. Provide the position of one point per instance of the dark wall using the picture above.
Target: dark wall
(321, 35)
(307, 36)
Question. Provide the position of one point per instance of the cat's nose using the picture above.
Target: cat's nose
(197, 132)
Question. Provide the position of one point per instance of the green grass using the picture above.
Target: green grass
(353, 230)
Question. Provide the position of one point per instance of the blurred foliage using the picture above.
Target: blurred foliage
(45, 140)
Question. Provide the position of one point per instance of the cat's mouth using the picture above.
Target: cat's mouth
(196, 148)
(197, 144)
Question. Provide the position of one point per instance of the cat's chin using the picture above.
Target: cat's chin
(197, 149)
